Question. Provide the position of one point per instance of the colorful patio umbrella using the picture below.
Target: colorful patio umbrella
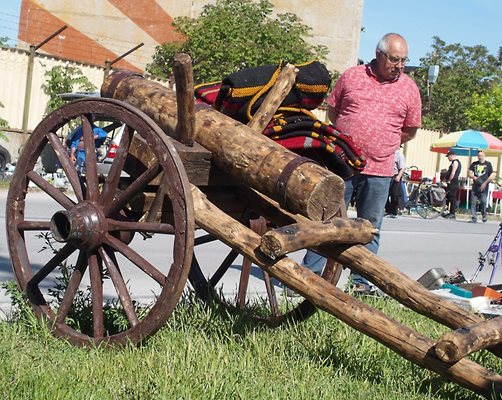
(466, 143)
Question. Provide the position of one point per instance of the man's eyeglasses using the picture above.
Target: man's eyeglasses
(396, 60)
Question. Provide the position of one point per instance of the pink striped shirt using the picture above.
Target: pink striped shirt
(374, 113)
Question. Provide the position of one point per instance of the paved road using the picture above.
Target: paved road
(410, 243)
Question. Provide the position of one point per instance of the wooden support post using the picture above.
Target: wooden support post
(274, 98)
(308, 234)
(401, 339)
(183, 77)
(453, 346)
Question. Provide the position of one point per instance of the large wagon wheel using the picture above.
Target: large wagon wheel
(235, 283)
(98, 266)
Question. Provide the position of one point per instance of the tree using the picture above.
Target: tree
(235, 34)
(486, 111)
(64, 80)
(61, 79)
(463, 72)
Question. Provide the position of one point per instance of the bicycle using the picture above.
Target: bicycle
(492, 254)
(427, 199)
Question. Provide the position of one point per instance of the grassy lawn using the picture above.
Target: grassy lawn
(204, 353)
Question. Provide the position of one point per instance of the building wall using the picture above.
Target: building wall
(101, 30)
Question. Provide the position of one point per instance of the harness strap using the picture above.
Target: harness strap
(282, 182)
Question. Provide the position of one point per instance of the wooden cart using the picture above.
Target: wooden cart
(182, 166)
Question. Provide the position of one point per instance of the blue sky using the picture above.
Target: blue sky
(468, 22)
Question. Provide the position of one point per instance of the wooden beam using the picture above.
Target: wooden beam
(183, 77)
(274, 98)
(308, 234)
(372, 322)
(252, 160)
(453, 346)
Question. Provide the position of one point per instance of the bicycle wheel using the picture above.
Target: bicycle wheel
(427, 211)
(424, 207)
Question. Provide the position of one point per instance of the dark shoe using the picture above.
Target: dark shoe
(450, 216)
(472, 221)
(485, 219)
(363, 290)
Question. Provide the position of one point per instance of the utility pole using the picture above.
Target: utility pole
(29, 79)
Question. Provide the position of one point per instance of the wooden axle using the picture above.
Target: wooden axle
(453, 346)
(300, 185)
(401, 339)
(308, 234)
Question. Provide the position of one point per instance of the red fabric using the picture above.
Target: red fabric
(373, 114)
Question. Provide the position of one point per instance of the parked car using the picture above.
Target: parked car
(4, 159)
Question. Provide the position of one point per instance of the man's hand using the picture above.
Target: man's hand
(408, 133)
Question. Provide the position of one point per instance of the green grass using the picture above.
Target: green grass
(204, 353)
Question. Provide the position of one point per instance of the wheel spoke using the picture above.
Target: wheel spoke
(34, 225)
(57, 195)
(58, 258)
(113, 178)
(91, 172)
(120, 286)
(96, 296)
(72, 287)
(157, 202)
(136, 259)
(243, 283)
(151, 227)
(208, 238)
(272, 297)
(135, 187)
(68, 168)
(223, 268)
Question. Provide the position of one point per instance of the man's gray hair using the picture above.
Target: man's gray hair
(383, 43)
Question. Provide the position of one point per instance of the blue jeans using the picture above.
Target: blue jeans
(371, 194)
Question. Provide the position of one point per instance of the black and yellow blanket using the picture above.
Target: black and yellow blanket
(294, 126)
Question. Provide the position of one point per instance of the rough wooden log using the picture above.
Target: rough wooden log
(274, 98)
(401, 339)
(304, 235)
(453, 346)
(300, 185)
(389, 279)
(182, 69)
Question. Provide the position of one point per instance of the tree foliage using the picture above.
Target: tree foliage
(464, 72)
(234, 34)
(486, 111)
(64, 79)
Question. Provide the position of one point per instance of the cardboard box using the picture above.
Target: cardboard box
(486, 292)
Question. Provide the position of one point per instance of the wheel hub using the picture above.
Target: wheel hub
(84, 226)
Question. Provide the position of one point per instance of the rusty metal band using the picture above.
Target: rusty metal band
(282, 182)
(117, 78)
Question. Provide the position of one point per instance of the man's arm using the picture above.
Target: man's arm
(332, 114)
(490, 178)
(408, 133)
(453, 170)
